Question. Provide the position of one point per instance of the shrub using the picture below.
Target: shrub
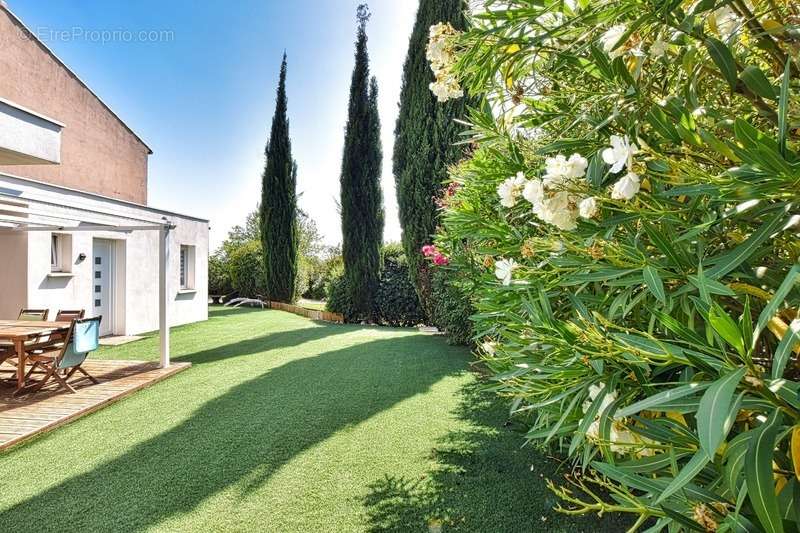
(397, 301)
(246, 267)
(219, 278)
(339, 300)
(451, 307)
(628, 223)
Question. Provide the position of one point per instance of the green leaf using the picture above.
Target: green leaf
(713, 414)
(652, 402)
(783, 108)
(772, 307)
(758, 473)
(588, 417)
(723, 58)
(654, 283)
(664, 244)
(689, 471)
(785, 348)
(757, 82)
(663, 125)
(630, 479)
(726, 327)
(728, 261)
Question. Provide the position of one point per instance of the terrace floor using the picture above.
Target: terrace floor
(25, 417)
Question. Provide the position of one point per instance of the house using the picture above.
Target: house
(75, 227)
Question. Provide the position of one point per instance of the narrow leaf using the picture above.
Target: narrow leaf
(714, 411)
(689, 471)
(728, 261)
(723, 58)
(796, 451)
(755, 80)
(654, 283)
(783, 108)
(726, 327)
(666, 396)
(758, 474)
(772, 307)
(787, 344)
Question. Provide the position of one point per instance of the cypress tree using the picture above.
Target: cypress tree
(425, 137)
(361, 198)
(278, 209)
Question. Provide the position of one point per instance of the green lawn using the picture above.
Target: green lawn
(283, 424)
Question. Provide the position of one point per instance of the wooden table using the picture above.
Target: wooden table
(21, 331)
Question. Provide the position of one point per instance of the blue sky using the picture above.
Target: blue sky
(202, 96)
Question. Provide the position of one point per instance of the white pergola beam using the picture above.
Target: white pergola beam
(163, 293)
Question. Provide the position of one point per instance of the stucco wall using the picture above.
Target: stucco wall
(98, 152)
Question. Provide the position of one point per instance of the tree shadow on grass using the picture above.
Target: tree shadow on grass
(482, 481)
(241, 437)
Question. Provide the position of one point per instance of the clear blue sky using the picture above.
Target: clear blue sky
(203, 97)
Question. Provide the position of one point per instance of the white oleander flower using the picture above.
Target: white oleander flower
(611, 37)
(587, 208)
(658, 48)
(534, 192)
(511, 189)
(504, 269)
(727, 21)
(559, 169)
(559, 210)
(446, 88)
(626, 188)
(620, 154)
(622, 439)
(489, 347)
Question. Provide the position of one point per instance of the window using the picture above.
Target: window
(187, 267)
(60, 252)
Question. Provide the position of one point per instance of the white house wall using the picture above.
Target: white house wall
(136, 305)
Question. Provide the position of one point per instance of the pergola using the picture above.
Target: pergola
(26, 214)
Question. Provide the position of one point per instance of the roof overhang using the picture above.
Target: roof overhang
(21, 214)
(28, 138)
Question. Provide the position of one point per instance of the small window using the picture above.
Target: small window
(60, 252)
(187, 267)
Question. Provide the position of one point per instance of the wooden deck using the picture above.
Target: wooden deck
(30, 415)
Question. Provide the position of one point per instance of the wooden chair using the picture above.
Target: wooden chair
(82, 338)
(65, 315)
(7, 353)
(55, 339)
(34, 315)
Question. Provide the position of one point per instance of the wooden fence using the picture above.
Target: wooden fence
(308, 313)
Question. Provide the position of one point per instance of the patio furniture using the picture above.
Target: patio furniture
(82, 338)
(57, 338)
(19, 332)
(7, 351)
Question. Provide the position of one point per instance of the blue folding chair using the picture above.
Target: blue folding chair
(62, 361)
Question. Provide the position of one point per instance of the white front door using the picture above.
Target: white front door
(102, 283)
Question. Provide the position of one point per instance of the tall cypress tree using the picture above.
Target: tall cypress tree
(278, 209)
(425, 137)
(361, 198)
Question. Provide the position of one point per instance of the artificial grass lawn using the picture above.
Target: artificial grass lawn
(283, 424)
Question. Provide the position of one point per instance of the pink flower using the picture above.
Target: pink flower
(428, 250)
(440, 260)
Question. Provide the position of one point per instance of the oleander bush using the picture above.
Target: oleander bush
(629, 222)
